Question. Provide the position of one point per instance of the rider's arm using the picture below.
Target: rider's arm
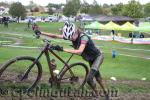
(78, 51)
(52, 35)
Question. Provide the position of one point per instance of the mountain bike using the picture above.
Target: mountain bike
(29, 71)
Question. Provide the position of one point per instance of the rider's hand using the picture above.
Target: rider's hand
(58, 48)
(37, 33)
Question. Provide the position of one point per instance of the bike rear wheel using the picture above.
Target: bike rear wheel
(14, 74)
(78, 79)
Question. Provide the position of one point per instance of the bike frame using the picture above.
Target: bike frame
(46, 51)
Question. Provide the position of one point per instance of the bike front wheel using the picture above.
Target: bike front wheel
(74, 76)
(20, 73)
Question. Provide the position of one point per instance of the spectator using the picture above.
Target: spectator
(113, 54)
(97, 32)
(113, 33)
(35, 27)
(29, 23)
(134, 35)
(141, 35)
(130, 35)
(1, 20)
(5, 21)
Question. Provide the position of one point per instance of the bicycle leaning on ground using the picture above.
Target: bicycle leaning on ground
(29, 72)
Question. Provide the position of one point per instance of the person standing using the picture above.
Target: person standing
(5, 21)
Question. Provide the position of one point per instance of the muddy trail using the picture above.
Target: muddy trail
(118, 90)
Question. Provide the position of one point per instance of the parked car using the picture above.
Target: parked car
(147, 19)
(26, 20)
(63, 19)
(72, 19)
(46, 20)
(86, 18)
(51, 19)
(11, 19)
(38, 19)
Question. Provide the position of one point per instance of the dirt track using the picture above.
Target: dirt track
(120, 95)
(132, 96)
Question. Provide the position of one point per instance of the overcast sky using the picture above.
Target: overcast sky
(45, 2)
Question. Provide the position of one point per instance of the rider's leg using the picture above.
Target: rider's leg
(90, 80)
(100, 81)
(96, 65)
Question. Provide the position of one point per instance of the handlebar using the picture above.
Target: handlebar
(37, 36)
(47, 42)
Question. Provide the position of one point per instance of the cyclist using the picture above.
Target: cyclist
(84, 46)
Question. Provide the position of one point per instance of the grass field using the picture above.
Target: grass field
(130, 64)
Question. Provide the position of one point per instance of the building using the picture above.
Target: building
(40, 10)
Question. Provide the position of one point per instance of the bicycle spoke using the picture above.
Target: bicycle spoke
(20, 73)
(80, 72)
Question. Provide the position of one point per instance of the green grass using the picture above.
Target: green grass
(125, 67)
(122, 67)
(124, 88)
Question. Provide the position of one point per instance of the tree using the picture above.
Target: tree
(71, 8)
(117, 9)
(4, 4)
(51, 5)
(133, 9)
(105, 5)
(95, 8)
(84, 7)
(31, 6)
(147, 10)
(55, 6)
(106, 11)
(17, 10)
(50, 11)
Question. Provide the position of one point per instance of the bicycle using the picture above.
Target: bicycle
(34, 70)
